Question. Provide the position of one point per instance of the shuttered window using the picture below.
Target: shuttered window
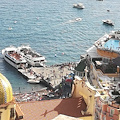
(0, 116)
(12, 113)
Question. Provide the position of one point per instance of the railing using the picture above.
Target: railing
(104, 112)
(99, 109)
(98, 75)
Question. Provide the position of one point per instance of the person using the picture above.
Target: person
(30, 72)
(42, 77)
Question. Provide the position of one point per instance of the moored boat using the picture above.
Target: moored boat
(11, 55)
(108, 22)
(79, 6)
(33, 81)
(33, 58)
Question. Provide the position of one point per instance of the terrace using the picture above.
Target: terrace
(107, 66)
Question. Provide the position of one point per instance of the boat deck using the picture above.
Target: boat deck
(26, 73)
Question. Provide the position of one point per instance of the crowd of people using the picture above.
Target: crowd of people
(61, 88)
(33, 96)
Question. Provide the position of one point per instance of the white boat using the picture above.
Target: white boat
(79, 5)
(74, 20)
(108, 22)
(10, 28)
(78, 19)
(11, 56)
(33, 58)
(33, 81)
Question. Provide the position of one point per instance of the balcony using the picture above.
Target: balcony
(99, 109)
(106, 68)
(104, 112)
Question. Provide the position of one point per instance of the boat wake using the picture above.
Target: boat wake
(74, 20)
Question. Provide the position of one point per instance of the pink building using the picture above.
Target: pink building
(106, 110)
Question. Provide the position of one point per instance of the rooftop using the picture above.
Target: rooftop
(49, 109)
(92, 52)
(64, 117)
(81, 66)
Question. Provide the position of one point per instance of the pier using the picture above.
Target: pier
(51, 76)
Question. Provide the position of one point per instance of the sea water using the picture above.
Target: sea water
(50, 28)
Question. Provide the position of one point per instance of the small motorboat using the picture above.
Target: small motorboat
(108, 22)
(78, 19)
(10, 28)
(15, 22)
(33, 81)
(79, 6)
(74, 20)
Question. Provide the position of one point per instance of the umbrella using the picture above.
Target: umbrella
(68, 80)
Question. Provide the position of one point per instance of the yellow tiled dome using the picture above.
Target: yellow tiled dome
(5, 90)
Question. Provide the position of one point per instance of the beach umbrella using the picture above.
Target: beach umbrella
(70, 76)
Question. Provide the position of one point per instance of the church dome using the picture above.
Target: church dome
(5, 90)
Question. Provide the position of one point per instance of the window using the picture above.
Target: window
(104, 117)
(111, 112)
(12, 113)
(0, 115)
(100, 117)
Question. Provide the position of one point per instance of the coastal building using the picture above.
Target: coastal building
(104, 58)
(82, 87)
(7, 105)
(79, 69)
(79, 106)
(107, 110)
(102, 61)
(9, 109)
(108, 104)
(95, 90)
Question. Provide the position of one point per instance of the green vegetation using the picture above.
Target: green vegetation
(100, 80)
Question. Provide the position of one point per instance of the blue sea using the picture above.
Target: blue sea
(49, 27)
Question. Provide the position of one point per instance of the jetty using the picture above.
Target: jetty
(51, 76)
